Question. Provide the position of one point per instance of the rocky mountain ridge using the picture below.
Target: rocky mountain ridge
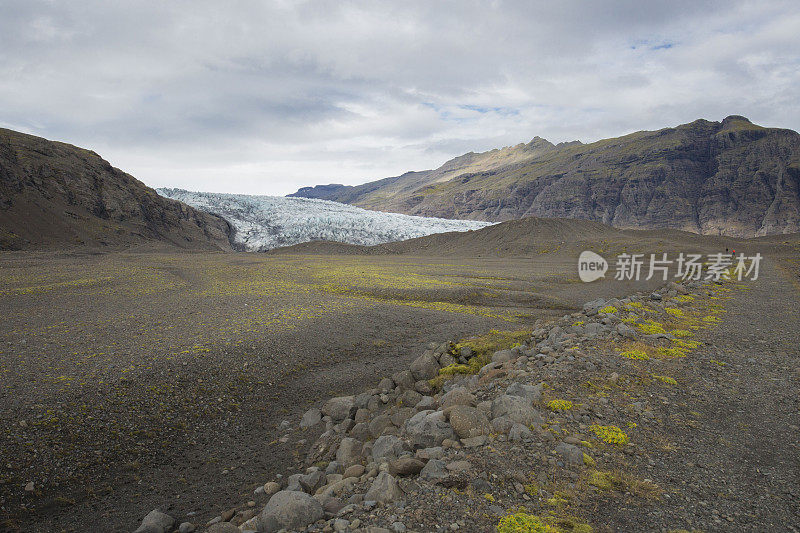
(730, 178)
(56, 194)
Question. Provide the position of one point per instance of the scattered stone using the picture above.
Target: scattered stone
(502, 356)
(289, 510)
(312, 417)
(517, 409)
(425, 367)
(532, 393)
(339, 408)
(457, 396)
(388, 448)
(405, 466)
(223, 527)
(271, 488)
(434, 470)
(427, 429)
(349, 452)
(469, 421)
(519, 433)
(156, 522)
(384, 489)
(571, 453)
(186, 527)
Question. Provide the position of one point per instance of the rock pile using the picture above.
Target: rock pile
(389, 452)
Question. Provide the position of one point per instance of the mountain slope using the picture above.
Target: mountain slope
(56, 194)
(730, 178)
(266, 222)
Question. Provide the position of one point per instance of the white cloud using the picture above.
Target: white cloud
(264, 98)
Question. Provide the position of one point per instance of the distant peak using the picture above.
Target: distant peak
(735, 118)
(537, 143)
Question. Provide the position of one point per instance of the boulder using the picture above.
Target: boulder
(223, 527)
(469, 421)
(532, 393)
(457, 396)
(384, 489)
(502, 356)
(427, 429)
(517, 409)
(312, 417)
(339, 408)
(349, 452)
(289, 510)
(519, 433)
(405, 466)
(388, 448)
(378, 424)
(571, 453)
(404, 379)
(156, 522)
(425, 367)
(434, 470)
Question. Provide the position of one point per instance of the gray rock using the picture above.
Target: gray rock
(405, 466)
(339, 408)
(386, 384)
(427, 403)
(409, 398)
(502, 356)
(626, 331)
(423, 387)
(404, 379)
(591, 308)
(156, 522)
(532, 393)
(517, 409)
(402, 414)
(446, 360)
(289, 510)
(425, 367)
(426, 454)
(349, 452)
(474, 442)
(427, 429)
(312, 417)
(271, 488)
(293, 483)
(334, 467)
(186, 527)
(469, 421)
(354, 471)
(387, 447)
(457, 396)
(378, 424)
(223, 527)
(312, 481)
(361, 432)
(459, 466)
(519, 433)
(434, 470)
(384, 489)
(571, 453)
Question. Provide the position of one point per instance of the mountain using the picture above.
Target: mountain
(264, 222)
(56, 194)
(723, 178)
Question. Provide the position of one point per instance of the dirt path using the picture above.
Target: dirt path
(736, 425)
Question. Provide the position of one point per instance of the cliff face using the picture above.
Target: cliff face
(731, 178)
(55, 194)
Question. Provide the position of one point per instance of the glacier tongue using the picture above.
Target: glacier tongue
(266, 222)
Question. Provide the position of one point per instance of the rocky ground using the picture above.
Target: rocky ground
(675, 410)
(139, 380)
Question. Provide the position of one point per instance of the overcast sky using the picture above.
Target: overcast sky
(266, 97)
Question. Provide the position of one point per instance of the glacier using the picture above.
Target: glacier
(265, 222)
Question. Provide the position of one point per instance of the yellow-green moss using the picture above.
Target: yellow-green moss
(651, 327)
(559, 405)
(638, 355)
(609, 309)
(674, 311)
(666, 379)
(524, 523)
(609, 434)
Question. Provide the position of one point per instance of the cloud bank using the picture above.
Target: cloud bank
(265, 97)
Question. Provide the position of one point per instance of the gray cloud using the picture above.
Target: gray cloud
(266, 97)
